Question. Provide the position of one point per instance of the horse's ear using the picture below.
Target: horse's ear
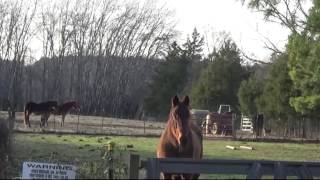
(186, 100)
(175, 101)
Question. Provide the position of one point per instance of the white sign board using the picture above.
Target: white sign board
(35, 170)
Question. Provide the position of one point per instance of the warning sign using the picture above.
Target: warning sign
(35, 170)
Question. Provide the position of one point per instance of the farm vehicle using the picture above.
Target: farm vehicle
(215, 123)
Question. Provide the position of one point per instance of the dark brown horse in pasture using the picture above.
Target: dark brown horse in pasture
(258, 125)
(64, 108)
(4, 135)
(182, 138)
(44, 109)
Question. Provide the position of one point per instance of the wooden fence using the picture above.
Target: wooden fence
(253, 169)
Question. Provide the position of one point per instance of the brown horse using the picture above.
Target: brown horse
(4, 135)
(182, 138)
(44, 109)
(64, 108)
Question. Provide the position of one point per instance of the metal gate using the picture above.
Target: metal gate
(253, 169)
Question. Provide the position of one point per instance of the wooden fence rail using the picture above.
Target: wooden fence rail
(253, 169)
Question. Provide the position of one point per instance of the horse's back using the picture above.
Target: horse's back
(197, 145)
(48, 104)
(197, 138)
(41, 107)
(30, 105)
(196, 129)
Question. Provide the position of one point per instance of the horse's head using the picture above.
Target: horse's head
(75, 105)
(179, 116)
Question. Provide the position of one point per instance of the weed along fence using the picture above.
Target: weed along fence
(253, 169)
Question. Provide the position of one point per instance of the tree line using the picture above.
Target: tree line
(96, 52)
(122, 59)
(289, 95)
(285, 89)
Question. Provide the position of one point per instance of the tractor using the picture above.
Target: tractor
(215, 123)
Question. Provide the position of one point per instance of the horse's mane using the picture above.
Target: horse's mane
(167, 133)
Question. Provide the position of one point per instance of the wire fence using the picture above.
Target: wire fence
(88, 125)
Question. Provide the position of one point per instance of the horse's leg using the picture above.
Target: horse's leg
(28, 120)
(42, 121)
(62, 119)
(25, 118)
(46, 119)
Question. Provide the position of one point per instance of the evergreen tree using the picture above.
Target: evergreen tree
(304, 64)
(220, 81)
(193, 48)
(170, 80)
(277, 91)
(249, 93)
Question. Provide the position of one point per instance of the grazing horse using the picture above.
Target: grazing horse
(44, 109)
(64, 108)
(4, 135)
(258, 124)
(181, 138)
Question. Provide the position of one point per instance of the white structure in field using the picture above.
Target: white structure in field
(36, 170)
(246, 124)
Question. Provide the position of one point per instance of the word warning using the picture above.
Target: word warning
(35, 170)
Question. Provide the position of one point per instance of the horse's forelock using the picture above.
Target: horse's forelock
(179, 117)
(180, 112)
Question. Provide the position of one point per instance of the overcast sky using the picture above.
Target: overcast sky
(246, 27)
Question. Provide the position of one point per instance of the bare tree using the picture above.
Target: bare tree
(16, 33)
(97, 52)
(291, 14)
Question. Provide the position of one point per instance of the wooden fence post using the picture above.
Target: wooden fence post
(279, 171)
(153, 171)
(255, 171)
(234, 129)
(134, 161)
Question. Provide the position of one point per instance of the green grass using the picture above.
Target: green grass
(77, 149)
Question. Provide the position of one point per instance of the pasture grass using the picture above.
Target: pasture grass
(77, 149)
